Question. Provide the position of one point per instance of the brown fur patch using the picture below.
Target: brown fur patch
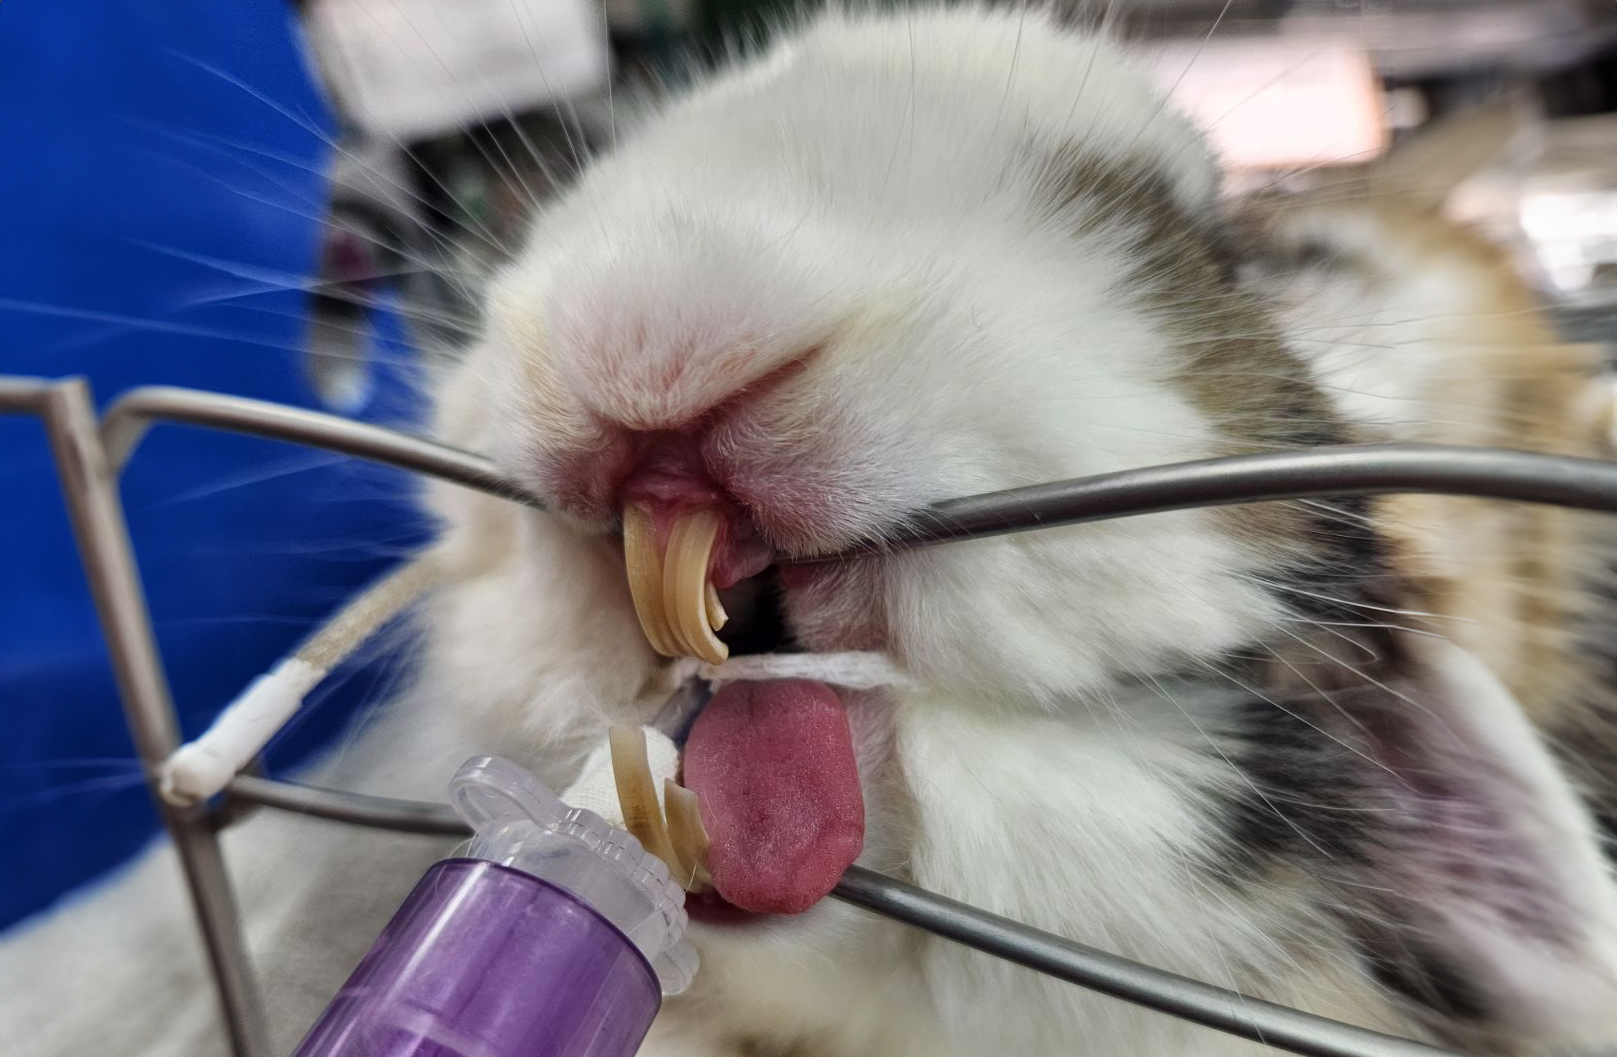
(1510, 582)
(1233, 365)
(1502, 579)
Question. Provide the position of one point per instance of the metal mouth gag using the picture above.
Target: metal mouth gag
(90, 454)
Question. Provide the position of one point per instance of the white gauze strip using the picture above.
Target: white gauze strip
(852, 671)
(202, 768)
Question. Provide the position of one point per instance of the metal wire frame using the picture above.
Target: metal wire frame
(89, 482)
(89, 461)
(1349, 469)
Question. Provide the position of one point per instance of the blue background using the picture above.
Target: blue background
(162, 189)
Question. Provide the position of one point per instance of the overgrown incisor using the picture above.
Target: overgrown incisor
(671, 830)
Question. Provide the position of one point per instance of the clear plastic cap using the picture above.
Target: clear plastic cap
(521, 824)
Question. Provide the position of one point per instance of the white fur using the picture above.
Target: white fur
(862, 192)
(861, 247)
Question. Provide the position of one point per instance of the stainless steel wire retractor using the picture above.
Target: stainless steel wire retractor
(90, 453)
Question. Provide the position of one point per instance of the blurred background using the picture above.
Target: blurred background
(297, 201)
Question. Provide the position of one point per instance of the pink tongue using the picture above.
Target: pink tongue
(773, 764)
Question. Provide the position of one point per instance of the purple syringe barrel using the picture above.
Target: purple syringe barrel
(486, 961)
(556, 936)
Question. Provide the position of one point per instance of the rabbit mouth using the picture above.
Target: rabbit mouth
(771, 761)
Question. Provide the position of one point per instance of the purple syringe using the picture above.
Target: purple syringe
(555, 936)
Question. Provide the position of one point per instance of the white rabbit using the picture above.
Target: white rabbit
(900, 259)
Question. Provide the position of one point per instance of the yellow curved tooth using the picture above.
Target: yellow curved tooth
(690, 546)
(637, 795)
(716, 616)
(688, 836)
(645, 569)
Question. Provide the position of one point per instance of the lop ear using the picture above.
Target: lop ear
(1436, 160)
(1424, 170)
(1466, 868)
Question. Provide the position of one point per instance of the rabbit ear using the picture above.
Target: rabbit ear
(1425, 169)
(1457, 855)
(1435, 161)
